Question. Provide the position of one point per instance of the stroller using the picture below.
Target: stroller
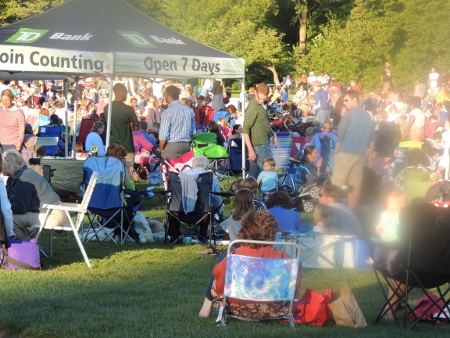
(308, 194)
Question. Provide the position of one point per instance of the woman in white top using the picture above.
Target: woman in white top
(6, 210)
(416, 121)
(94, 139)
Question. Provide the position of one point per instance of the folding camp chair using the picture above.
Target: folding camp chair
(281, 153)
(261, 279)
(420, 261)
(51, 133)
(201, 215)
(80, 209)
(85, 129)
(108, 212)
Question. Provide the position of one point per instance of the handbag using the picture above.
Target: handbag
(143, 229)
(312, 309)
(20, 255)
(346, 311)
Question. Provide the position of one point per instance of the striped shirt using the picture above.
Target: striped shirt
(12, 128)
(177, 123)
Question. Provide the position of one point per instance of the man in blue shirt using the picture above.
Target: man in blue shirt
(356, 135)
(321, 102)
(177, 125)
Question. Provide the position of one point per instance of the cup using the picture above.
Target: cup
(187, 240)
(94, 150)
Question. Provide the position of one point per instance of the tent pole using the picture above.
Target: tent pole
(242, 96)
(66, 125)
(75, 114)
(108, 120)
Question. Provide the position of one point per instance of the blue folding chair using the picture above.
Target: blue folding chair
(51, 131)
(109, 212)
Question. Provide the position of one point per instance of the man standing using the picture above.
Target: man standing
(321, 102)
(386, 78)
(123, 121)
(355, 136)
(177, 125)
(257, 131)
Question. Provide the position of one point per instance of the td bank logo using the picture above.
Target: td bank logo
(27, 35)
(136, 39)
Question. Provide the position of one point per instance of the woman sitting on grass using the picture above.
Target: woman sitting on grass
(257, 225)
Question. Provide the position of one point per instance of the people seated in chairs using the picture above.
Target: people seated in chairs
(28, 192)
(280, 205)
(251, 184)
(345, 222)
(243, 204)
(199, 165)
(141, 144)
(214, 128)
(307, 171)
(258, 225)
(94, 139)
(236, 132)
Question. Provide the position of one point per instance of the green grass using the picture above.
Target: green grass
(152, 290)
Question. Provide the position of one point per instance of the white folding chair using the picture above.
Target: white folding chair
(80, 209)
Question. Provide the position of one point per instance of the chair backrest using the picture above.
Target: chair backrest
(85, 129)
(428, 227)
(281, 153)
(108, 190)
(235, 154)
(204, 139)
(89, 190)
(204, 185)
(261, 279)
(51, 132)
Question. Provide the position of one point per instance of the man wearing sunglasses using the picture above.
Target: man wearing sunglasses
(354, 147)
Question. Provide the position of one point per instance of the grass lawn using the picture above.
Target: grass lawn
(152, 290)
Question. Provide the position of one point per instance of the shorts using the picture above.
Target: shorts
(348, 169)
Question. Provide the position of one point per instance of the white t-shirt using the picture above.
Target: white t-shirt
(419, 115)
(433, 77)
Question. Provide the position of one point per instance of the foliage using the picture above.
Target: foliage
(12, 11)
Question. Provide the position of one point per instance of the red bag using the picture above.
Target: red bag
(422, 306)
(313, 308)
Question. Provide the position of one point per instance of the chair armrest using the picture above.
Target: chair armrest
(65, 206)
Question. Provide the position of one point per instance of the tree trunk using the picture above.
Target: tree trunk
(302, 32)
(276, 80)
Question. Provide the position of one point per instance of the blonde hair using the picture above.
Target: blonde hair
(270, 161)
(8, 93)
(13, 161)
(398, 198)
(223, 122)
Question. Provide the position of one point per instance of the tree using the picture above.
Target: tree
(238, 27)
(12, 11)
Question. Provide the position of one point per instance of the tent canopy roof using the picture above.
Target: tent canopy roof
(104, 37)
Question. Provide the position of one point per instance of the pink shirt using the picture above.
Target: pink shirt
(12, 122)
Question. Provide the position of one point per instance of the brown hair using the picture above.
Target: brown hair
(172, 91)
(258, 225)
(249, 183)
(97, 125)
(332, 191)
(243, 203)
(117, 151)
(79, 147)
(262, 88)
(44, 111)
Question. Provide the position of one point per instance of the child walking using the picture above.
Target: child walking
(268, 179)
(388, 227)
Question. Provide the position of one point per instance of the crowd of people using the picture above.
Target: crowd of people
(366, 129)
